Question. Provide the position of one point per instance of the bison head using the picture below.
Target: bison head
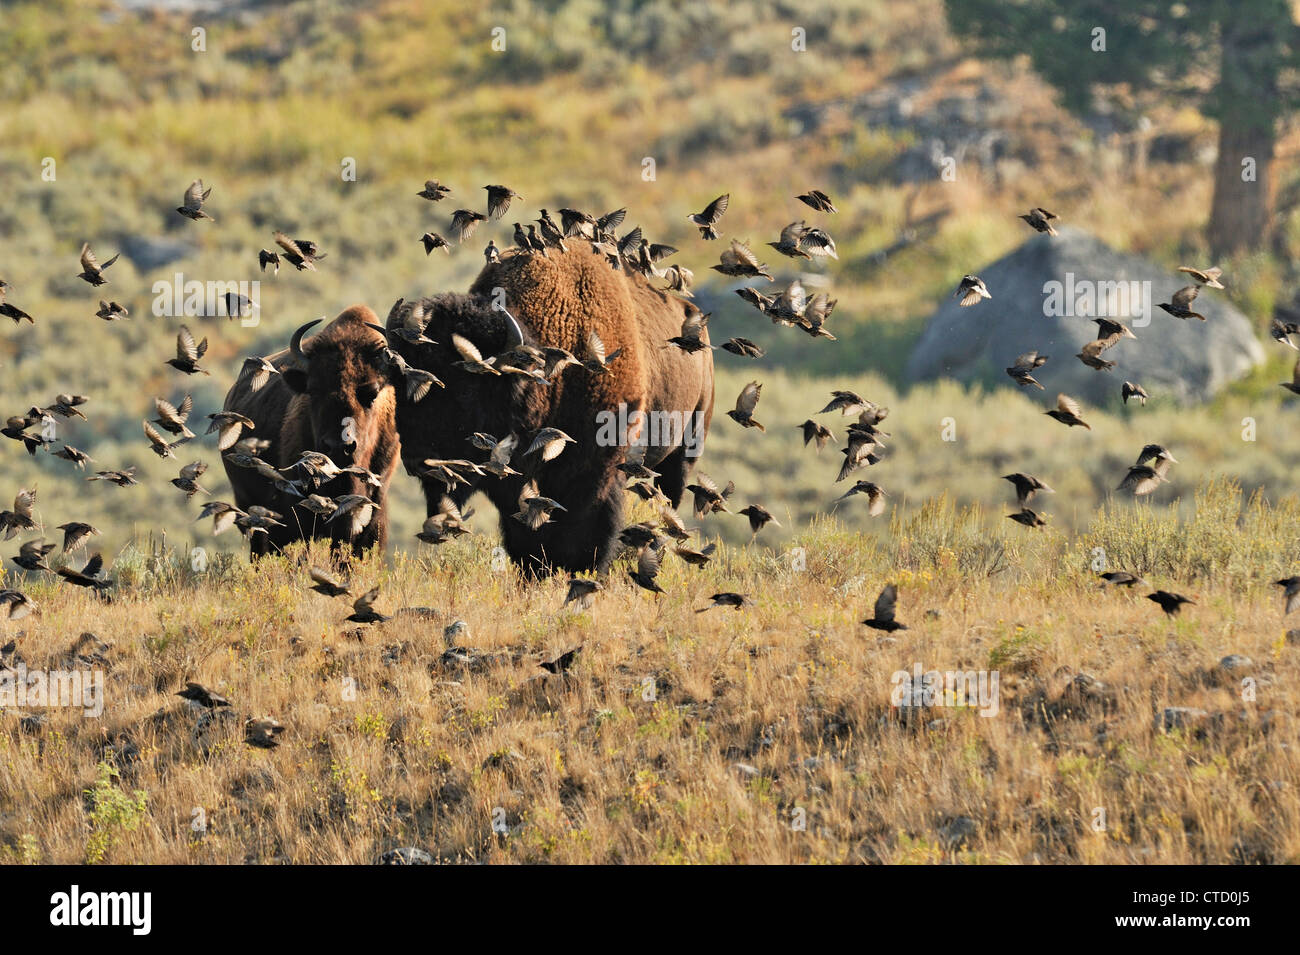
(343, 372)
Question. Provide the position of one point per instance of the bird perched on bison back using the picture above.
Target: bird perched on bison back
(616, 324)
(333, 395)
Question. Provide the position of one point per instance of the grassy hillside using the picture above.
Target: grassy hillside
(764, 735)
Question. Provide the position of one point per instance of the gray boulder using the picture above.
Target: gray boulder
(1045, 295)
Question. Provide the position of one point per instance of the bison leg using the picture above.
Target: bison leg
(585, 538)
(674, 471)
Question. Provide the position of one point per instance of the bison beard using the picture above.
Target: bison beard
(339, 373)
(557, 301)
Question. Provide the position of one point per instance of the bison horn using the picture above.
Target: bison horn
(295, 343)
(514, 334)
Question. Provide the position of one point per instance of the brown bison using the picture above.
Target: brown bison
(556, 301)
(332, 395)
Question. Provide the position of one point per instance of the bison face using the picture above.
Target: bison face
(350, 399)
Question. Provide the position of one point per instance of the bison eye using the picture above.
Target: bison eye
(367, 393)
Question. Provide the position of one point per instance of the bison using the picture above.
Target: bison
(556, 301)
(332, 395)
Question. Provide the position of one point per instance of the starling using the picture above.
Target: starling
(812, 431)
(1143, 479)
(746, 402)
(1130, 390)
(680, 279)
(577, 224)
(815, 313)
(228, 425)
(596, 361)
(20, 518)
(550, 232)
(1282, 331)
(111, 311)
(534, 509)
(1091, 355)
(195, 196)
(491, 253)
(201, 695)
(1111, 331)
(709, 218)
(582, 591)
(499, 457)
(69, 453)
(75, 534)
(433, 241)
(188, 353)
(123, 478)
(740, 261)
(756, 298)
(818, 200)
(302, 254)
(550, 442)
(1291, 590)
(15, 428)
(359, 509)
(1153, 452)
(433, 190)
(1024, 364)
(16, 605)
(472, 359)
(1067, 412)
(561, 663)
(708, 499)
(759, 517)
(266, 257)
(160, 445)
(464, 222)
(1026, 487)
(32, 554)
(743, 347)
(324, 584)
(790, 243)
(1207, 277)
(189, 479)
(172, 418)
(224, 516)
(1040, 220)
(846, 403)
(696, 557)
(12, 311)
(728, 599)
(875, 497)
(1178, 306)
(1121, 578)
(91, 270)
(1028, 517)
(1170, 603)
(647, 568)
(263, 732)
(535, 242)
(971, 290)
(88, 576)
(693, 326)
(883, 617)
(363, 610)
(499, 200)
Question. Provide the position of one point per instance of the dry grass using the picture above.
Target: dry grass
(677, 737)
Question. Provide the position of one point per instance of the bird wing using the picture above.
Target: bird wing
(647, 564)
(93, 566)
(886, 602)
(88, 261)
(1067, 404)
(747, 400)
(467, 349)
(714, 210)
(595, 347)
(186, 349)
(195, 195)
(1185, 296)
(154, 437)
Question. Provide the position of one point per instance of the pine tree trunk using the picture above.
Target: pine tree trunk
(1241, 215)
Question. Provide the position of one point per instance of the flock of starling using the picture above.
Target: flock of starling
(647, 541)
